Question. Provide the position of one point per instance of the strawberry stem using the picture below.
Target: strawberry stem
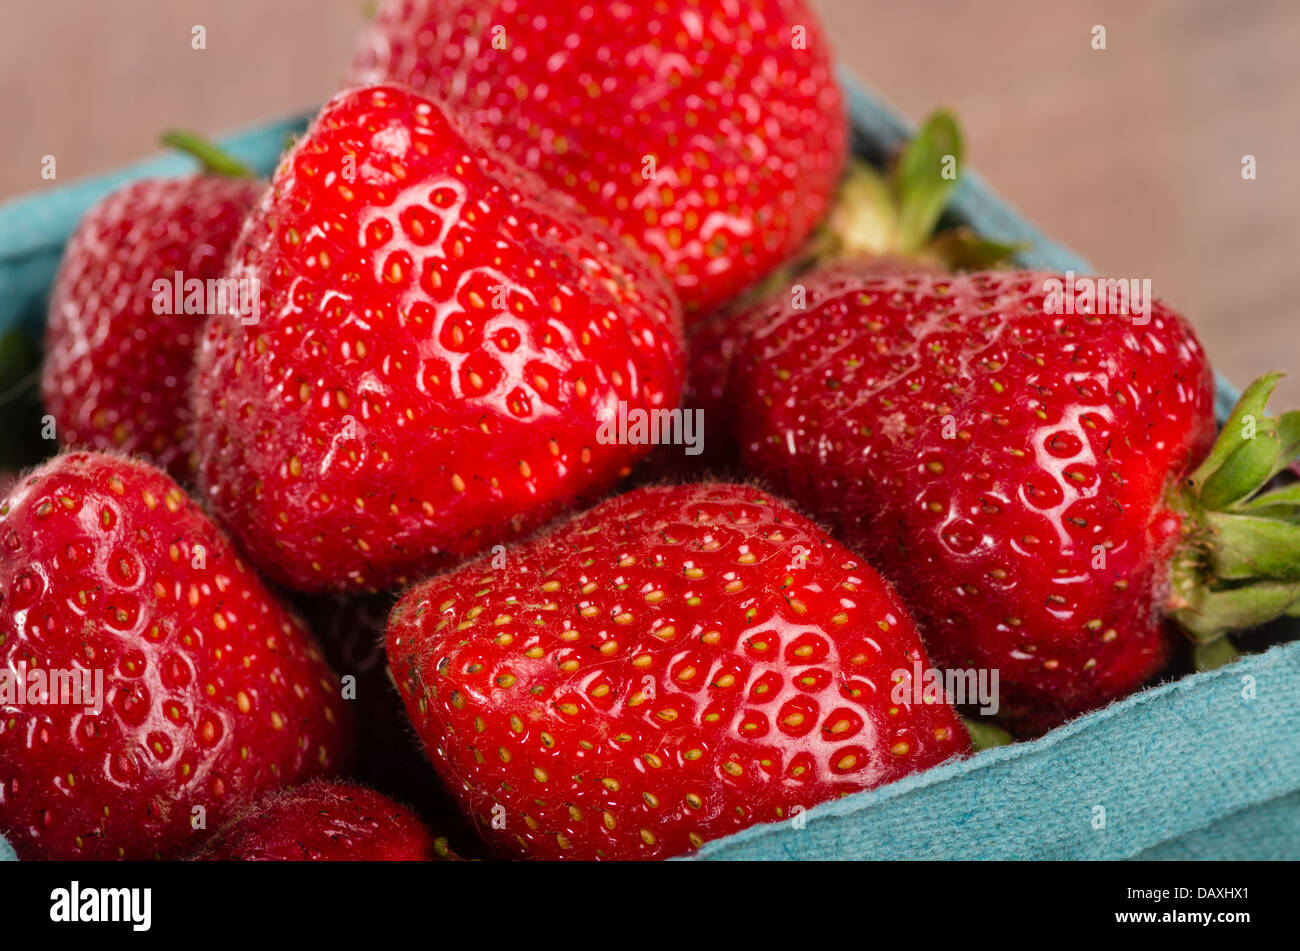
(864, 216)
(1215, 654)
(895, 214)
(210, 156)
(1239, 563)
(891, 217)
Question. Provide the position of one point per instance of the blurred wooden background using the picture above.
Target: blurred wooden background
(1132, 155)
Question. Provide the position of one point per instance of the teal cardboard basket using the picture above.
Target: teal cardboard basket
(1203, 767)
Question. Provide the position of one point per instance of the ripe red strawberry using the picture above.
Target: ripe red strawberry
(438, 343)
(709, 133)
(323, 822)
(674, 665)
(117, 363)
(1015, 473)
(212, 693)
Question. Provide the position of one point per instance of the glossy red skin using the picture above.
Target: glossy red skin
(377, 424)
(213, 693)
(749, 134)
(323, 822)
(636, 726)
(842, 406)
(116, 374)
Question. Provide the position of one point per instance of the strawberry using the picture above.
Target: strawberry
(676, 664)
(438, 343)
(1017, 473)
(118, 357)
(708, 133)
(323, 821)
(202, 690)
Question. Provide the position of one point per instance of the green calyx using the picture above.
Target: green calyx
(984, 735)
(213, 159)
(895, 214)
(1239, 562)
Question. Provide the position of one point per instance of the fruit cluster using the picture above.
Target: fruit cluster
(339, 517)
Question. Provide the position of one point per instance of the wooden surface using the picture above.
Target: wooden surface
(1132, 155)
